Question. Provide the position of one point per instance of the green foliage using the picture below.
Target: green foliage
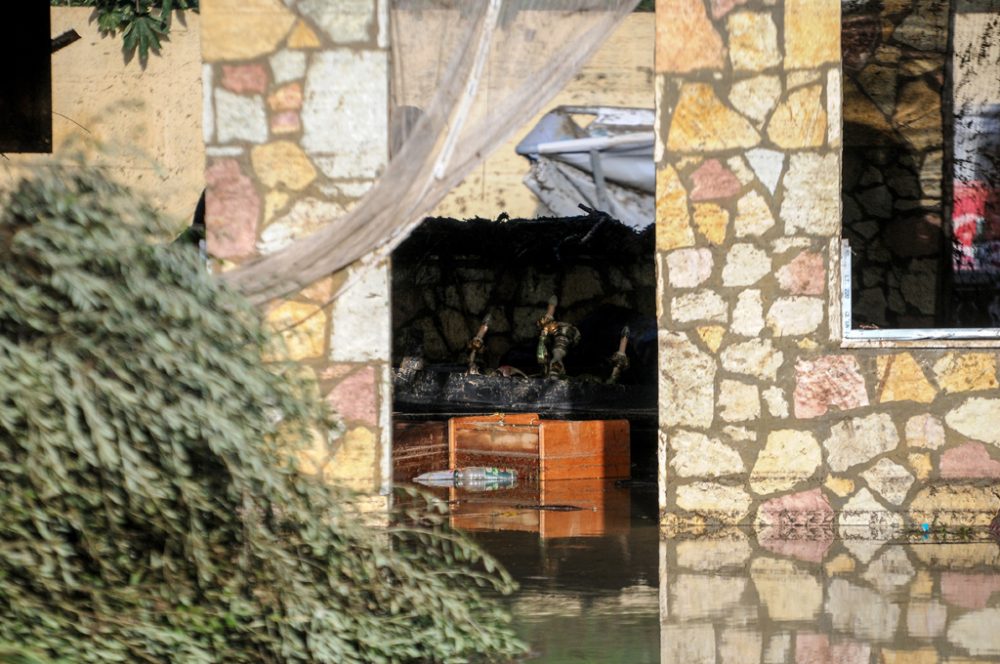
(150, 507)
(143, 24)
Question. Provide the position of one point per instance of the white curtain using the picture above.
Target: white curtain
(466, 75)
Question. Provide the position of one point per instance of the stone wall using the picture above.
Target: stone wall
(766, 417)
(296, 130)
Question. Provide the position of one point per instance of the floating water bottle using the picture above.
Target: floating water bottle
(471, 476)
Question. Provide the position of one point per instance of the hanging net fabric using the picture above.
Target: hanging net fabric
(465, 76)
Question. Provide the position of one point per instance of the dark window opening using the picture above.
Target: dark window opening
(921, 149)
(26, 81)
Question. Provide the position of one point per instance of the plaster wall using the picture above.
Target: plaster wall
(767, 418)
(142, 126)
(296, 131)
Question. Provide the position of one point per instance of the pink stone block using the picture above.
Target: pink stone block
(722, 7)
(817, 649)
(245, 79)
(828, 381)
(969, 461)
(232, 209)
(287, 122)
(799, 525)
(805, 275)
(712, 181)
(968, 591)
(354, 398)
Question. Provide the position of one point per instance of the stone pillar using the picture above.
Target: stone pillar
(296, 131)
(767, 418)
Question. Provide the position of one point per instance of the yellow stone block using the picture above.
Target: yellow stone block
(807, 344)
(314, 458)
(274, 202)
(242, 29)
(303, 37)
(954, 506)
(687, 41)
(711, 221)
(800, 120)
(922, 584)
(812, 33)
(922, 656)
(712, 336)
(859, 110)
(282, 162)
(355, 461)
(920, 464)
(322, 290)
(839, 485)
(673, 228)
(902, 379)
(966, 372)
(842, 564)
(702, 123)
(302, 328)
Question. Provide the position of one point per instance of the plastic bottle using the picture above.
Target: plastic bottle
(471, 476)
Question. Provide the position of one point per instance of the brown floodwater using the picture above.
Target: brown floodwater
(599, 584)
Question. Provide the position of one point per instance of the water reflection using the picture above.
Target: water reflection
(589, 577)
(599, 585)
(728, 600)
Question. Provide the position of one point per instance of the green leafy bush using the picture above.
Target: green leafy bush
(150, 509)
(143, 24)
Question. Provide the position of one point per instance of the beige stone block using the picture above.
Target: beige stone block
(788, 457)
(841, 486)
(842, 564)
(686, 382)
(748, 314)
(755, 97)
(756, 357)
(976, 632)
(699, 596)
(864, 518)
(697, 455)
(302, 37)
(977, 418)
(800, 120)
(860, 439)
(794, 316)
(711, 336)
(243, 29)
(786, 591)
(728, 504)
(954, 506)
(738, 402)
(926, 620)
(274, 202)
(902, 379)
(966, 372)
(753, 41)
(924, 431)
(753, 215)
(777, 404)
(922, 656)
(920, 464)
(703, 123)
(355, 462)
(714, 555)
(687, 643)
(745, 265)
(702, 305)
(860, 612)
(688, 41)
(673, 227)
(688, 268)
(798, 78)
(740, 645)
(812, 33)
(712, 221)
(811, 204)
(282, 163)
(890, 572)
(302, 328)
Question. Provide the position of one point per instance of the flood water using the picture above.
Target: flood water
(600, 585)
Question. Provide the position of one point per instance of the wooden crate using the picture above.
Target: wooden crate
(417, 448)
(541, 450)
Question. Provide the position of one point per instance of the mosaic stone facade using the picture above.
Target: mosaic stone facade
(766, 417)
(296, 130)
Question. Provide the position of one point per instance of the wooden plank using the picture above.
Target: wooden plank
(418, 447)
(584, 449)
